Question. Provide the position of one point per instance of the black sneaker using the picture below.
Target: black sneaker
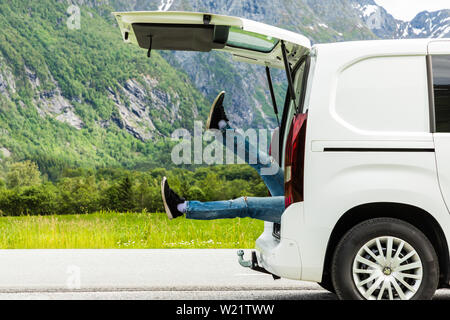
(171, 200)
(217, 113)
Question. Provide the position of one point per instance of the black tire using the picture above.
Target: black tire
(353, 240)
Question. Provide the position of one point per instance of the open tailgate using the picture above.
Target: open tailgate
(248, 41)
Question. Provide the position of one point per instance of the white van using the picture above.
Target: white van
(365, 144)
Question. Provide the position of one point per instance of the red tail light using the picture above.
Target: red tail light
(270, 153)
(294, 160)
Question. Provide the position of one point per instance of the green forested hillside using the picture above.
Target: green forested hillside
(72, 98)
(82, 98)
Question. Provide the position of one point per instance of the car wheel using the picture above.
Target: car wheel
(385, 259)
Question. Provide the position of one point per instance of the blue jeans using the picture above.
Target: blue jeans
(261, 161)
(266, 209)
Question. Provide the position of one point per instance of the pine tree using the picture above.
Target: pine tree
(125, 195)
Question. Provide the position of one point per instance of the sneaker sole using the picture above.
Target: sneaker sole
(168, 213)
(208, 123)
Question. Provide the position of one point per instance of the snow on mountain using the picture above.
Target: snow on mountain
(428, 25)
(165, 5)
(425, 25)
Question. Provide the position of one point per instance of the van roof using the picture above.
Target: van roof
(379, 47)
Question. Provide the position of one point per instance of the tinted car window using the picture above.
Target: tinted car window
(441, 85)
(249, 40)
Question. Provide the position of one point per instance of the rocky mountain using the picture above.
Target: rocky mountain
(428, 25)
(424, 25)
(80, 97)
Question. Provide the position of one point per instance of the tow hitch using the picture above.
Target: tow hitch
(253, 264)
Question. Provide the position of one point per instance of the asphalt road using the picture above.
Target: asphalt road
(143, 274)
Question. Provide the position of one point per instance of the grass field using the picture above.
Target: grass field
(125, 230)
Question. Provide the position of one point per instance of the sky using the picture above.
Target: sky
(407, 9)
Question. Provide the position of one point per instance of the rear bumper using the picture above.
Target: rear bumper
(279, 257)
(300, 253)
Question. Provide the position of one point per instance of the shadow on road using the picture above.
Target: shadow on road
(312, 295)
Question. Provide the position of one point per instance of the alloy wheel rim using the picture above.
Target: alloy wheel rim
(387, 268)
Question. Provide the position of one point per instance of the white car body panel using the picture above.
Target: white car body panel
(442, 139)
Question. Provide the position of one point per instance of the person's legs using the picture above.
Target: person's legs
(266, 209)
(273, 177)
(265, 165)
